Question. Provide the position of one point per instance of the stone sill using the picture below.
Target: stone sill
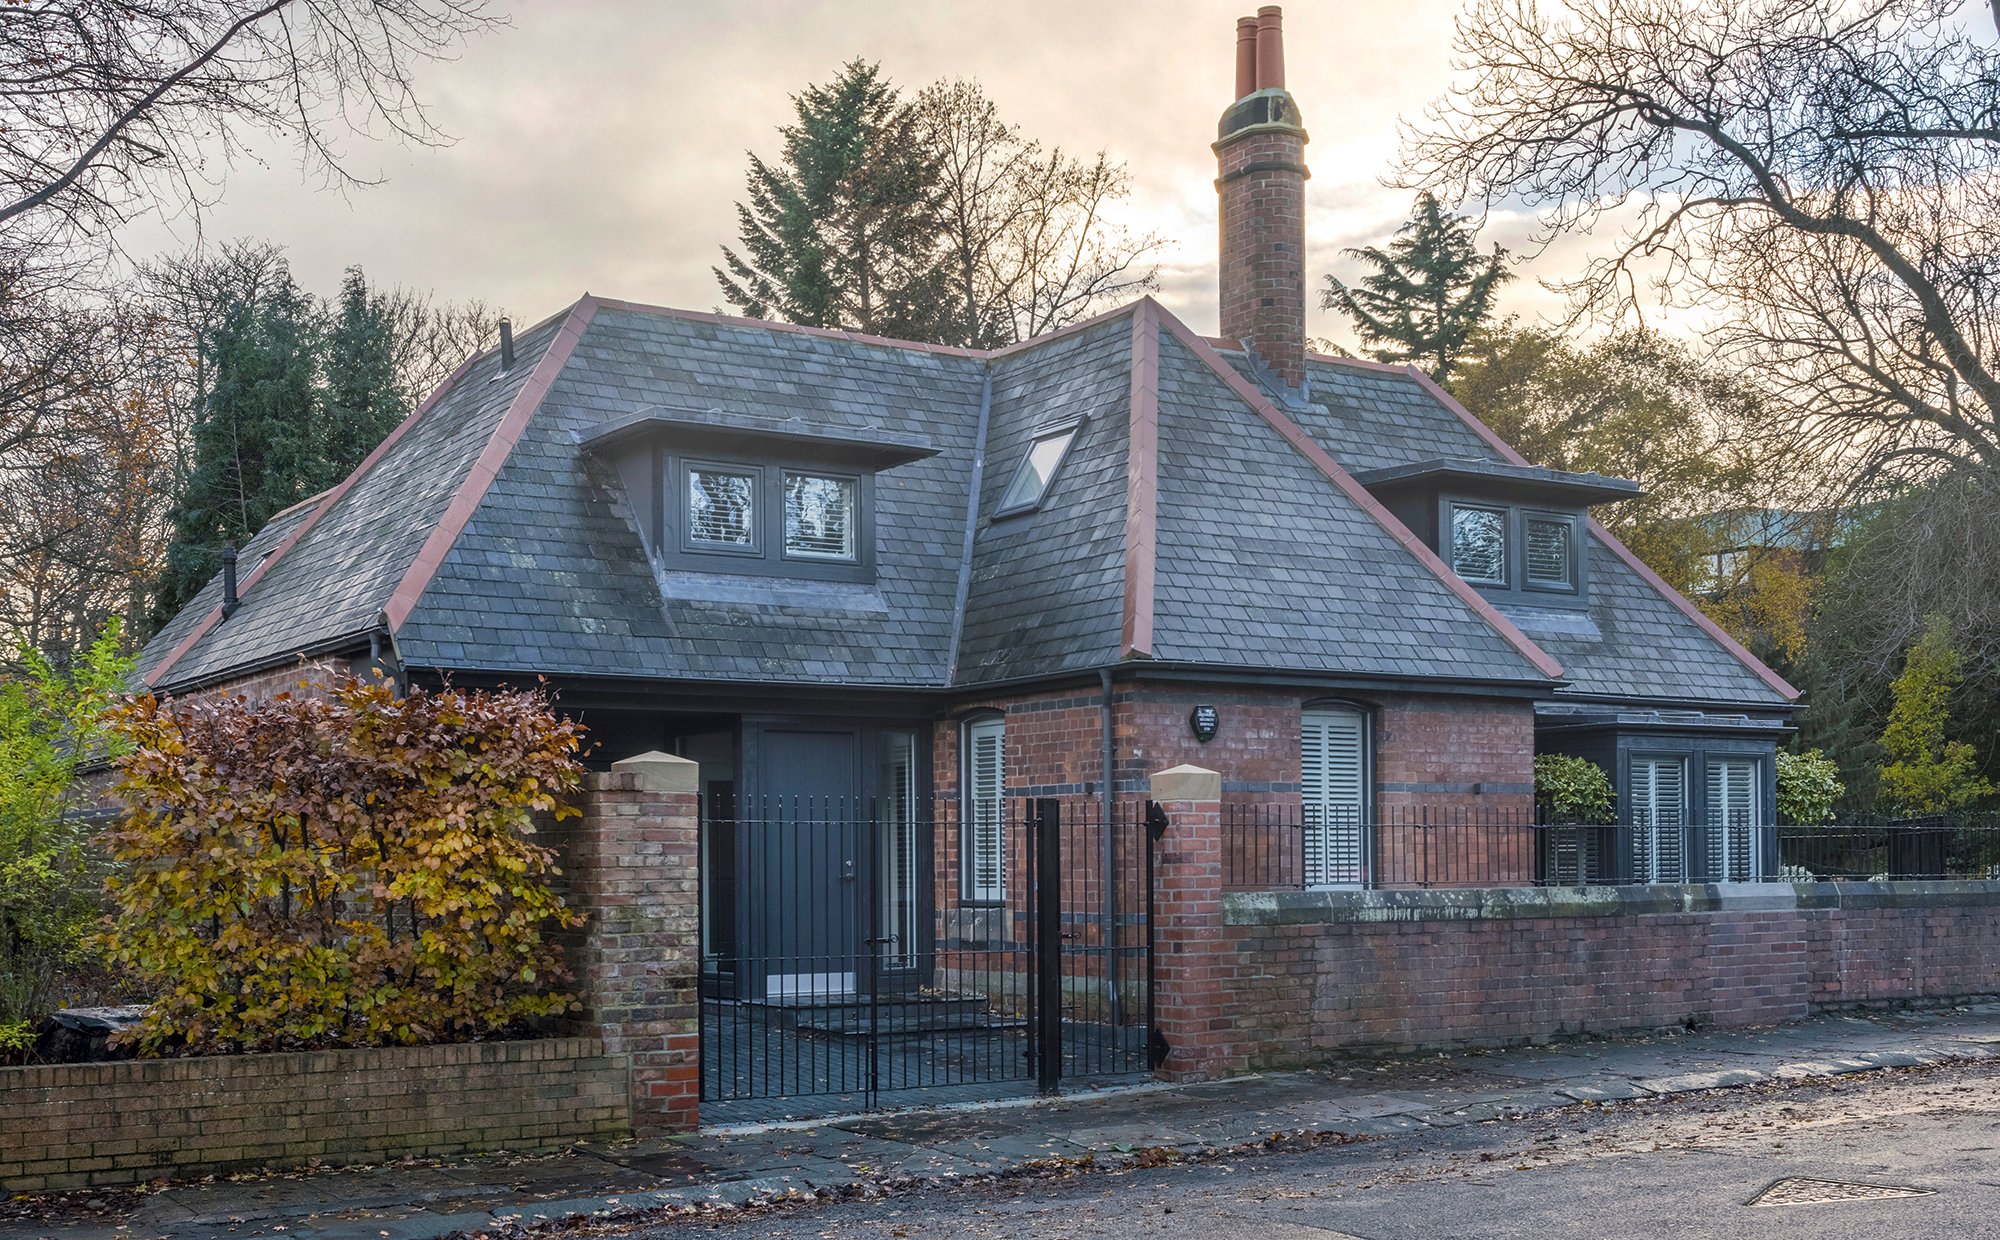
(1335, 906)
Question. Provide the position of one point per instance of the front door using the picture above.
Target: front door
(805, 863)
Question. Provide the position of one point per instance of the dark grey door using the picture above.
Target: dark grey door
(805, 865)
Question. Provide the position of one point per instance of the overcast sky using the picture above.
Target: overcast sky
(600, 144)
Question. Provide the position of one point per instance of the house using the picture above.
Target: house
(839, 570)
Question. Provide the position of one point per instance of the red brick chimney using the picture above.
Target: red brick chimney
(1260, 151)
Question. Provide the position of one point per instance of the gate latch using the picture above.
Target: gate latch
(1156, 819)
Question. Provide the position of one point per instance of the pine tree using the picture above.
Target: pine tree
(259, 444)
(843, 230)
(1430, 292)
(363, 400)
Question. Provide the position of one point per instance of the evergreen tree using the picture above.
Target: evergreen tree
(1926, 773)
(259, 444)
(843, 230)
(1430, 292)
(363, 399)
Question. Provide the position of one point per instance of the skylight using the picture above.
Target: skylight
(1031, 482)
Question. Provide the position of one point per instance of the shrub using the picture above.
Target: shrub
(50, 876)
(1808, 785)
(341, 868)
(1927, 773)
(1573, 790)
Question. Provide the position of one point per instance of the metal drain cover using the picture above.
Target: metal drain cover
(1805, 1191)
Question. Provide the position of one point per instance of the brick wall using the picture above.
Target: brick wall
(78, 1125)
(1311, 975)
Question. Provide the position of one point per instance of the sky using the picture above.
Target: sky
(600, 145)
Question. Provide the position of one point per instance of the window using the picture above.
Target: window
(1733, 819)
(1550, 553)
(721, 508)
(982, 838)
(819, 516)
(1479, 543)
(1659, 819)
(1032, 480)
(1334, 786)
(897, 849)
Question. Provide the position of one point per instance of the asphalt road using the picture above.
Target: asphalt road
(1695, 1166)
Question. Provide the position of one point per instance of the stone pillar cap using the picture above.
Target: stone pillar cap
(661, 772)
(1187, 783)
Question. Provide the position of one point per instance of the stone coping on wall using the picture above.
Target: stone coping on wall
(1348, 905)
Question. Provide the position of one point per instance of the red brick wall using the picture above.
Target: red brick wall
(77, 1125)
(1263, 233)
(1446, 757)
(1300, 993)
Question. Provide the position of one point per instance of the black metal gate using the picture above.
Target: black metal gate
(861, 959)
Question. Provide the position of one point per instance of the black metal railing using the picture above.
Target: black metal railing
(1279, 846)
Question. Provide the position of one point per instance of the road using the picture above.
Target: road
(1694, 1166)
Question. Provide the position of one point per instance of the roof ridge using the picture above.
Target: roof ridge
(1142, 481)
(479, 479)
(329, 497)
(1763, 672)
(1304, 443)
(864, 338)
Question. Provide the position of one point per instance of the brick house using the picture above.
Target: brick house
(835, 569)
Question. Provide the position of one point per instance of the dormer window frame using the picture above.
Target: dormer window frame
(768, 554)
(1516, 585)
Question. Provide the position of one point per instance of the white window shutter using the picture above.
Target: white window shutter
(1333, 784)
(984, 839)
(1732, 819)
(1659, 806)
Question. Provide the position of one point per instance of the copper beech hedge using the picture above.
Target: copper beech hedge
(339, 867)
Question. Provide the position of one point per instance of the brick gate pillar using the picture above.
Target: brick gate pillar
(1188, 948)
(635, 871)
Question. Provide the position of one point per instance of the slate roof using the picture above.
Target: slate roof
(1643, 646)
(1190, 523)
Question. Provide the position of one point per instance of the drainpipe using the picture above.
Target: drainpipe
(1107, 805)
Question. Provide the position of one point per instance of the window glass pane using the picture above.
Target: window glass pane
(1479, 544)
(1038, 469)
(984, 840)
(819, 517)
(720, 508)
(1548, 552)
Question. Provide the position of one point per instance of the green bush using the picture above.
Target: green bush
(1808, 785)
(50, 873)
(1574, 790)
(340, 868)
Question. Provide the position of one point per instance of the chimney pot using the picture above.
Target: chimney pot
(1270, 48)
(1246, 56)
(506, 345)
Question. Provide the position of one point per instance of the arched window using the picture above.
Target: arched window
(1337, 788)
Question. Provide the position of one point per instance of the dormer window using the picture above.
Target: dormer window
(1479, 543)
(820, 516)
(1038, 470)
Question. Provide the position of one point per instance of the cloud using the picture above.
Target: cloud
(601, 146)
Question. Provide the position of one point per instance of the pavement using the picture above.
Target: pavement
(916, 1150)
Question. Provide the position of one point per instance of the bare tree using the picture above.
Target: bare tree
(432, 337)
(107, 107)
(1027, 244)
(1824, 175)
